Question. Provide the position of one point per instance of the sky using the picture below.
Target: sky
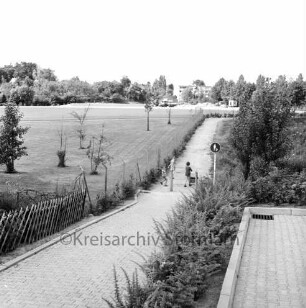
(184, 40)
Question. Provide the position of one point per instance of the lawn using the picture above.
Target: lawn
(125, 128)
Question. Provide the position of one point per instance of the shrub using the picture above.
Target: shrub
(150, 178)
(128, 188)
(7, 202)
(293, 164)
(279, 187)
(117, 98)
(105, 202)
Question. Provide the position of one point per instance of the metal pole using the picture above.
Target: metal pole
(171, 180)
(214, 178)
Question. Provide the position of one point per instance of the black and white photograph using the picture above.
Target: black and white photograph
(153, 154)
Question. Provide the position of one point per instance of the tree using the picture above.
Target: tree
(217, 89)
(261, 128)
(47, 74)
(199, 83)
(243, 90)
(22, 95)
(187, 95)
(81, 117)
(159, 87)
(137, 93)
(25, 69)
(297, 90)
(227, 91)
(61, 153)
(11, 136)
(149, 104)
(99, 156)
(170, 89)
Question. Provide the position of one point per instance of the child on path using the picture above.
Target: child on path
(164, 177)
(187, 173)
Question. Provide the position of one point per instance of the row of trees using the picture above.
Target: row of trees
(27, 84)
(242, 91)
(260, 132)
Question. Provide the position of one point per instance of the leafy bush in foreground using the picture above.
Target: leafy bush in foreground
(280, 187)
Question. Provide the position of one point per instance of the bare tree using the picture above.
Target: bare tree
(81, 129)
(61, 153)
(98, 155)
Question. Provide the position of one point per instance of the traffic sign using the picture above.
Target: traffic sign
(215, 147)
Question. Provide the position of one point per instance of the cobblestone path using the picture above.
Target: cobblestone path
(273, 265)
(79, 273)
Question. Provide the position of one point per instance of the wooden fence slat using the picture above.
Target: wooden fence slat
(2, 223)
(12, 229)
(60, 214)
(54, 217)
(81, 203)
(72, 216)
(9, 217)
(2, 234)
(49, 214)
(12, 233)
(22, 212)
(65, 214)
(34, 223)
(75, 207)
(45, 218)
(26, 228)
(41, 220)
(68, 208)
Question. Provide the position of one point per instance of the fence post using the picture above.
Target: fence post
(158, 158)
(86, 186)
(138, 171)
(171, 180)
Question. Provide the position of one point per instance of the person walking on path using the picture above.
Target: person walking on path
(187, 174)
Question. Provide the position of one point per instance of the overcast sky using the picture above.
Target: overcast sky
(181, 39)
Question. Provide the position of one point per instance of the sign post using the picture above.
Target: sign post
(215, 147)
(171, 173)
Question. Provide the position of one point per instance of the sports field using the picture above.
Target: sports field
(125, 128)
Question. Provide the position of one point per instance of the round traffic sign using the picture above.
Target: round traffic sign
(215, 147)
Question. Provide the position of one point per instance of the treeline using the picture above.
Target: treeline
(242, 90)
(27, 84)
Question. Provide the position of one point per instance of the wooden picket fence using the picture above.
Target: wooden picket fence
(30, 224)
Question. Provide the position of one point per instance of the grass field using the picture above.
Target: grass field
(125, 127)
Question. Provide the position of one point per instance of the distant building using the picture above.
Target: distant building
(232, 103)
(168, 100)
(197, 91)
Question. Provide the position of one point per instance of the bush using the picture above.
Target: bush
(105, 202)
(117, 98)
(150, 178)
(128, 188)
(279, 187)
(293, 164)
(7, 202)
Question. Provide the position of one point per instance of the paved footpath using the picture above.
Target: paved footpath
(79, 273)
(273, 265)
